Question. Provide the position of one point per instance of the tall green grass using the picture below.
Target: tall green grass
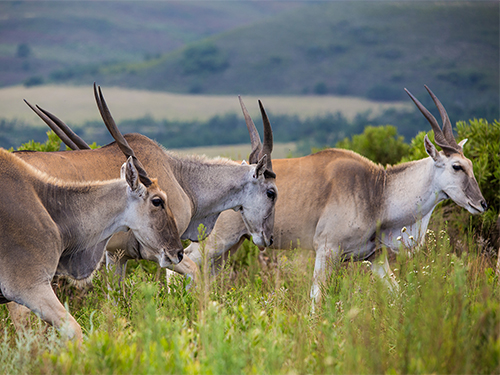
(255, 318)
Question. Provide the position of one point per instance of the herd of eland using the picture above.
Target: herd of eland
(63, 213)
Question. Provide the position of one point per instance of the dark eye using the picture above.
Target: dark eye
(271, 194)
(457, 167)
(157, 202)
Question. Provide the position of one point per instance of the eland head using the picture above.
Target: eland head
(456, 176)
(258, 216)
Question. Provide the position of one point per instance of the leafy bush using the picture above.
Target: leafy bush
(33, 81)
(381, 144)
(23, 51)
(483, 148)
(53, 143)
(203, 58)
(320, 88)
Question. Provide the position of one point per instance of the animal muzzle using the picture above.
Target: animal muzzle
(477, 208)
(167, 258)
(484, 205)
(262, 241)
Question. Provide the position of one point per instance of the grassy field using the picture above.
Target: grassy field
(254, 318)
(76, 105)
(239, 152)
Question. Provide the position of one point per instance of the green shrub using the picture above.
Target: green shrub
(483, 148)
(381, 144)
(53, 143)
(33, 81)
(23, 51)
(203, 58)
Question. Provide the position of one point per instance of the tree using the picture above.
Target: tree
(23, 51)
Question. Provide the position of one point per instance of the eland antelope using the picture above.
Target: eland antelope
(344, 206)
(199, 189)
(53, 227)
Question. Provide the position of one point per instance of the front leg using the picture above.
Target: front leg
(42, 300)
(322, 269)
(380, 267)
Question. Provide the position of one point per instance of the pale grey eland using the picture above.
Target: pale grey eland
(199, 188)
(52, 227)
(343, 206)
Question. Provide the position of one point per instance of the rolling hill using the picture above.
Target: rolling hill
(358, 49)
(371, 50)
(46, 40)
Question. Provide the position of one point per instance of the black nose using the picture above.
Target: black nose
(271, 240)
(484, 205)
(180, 255)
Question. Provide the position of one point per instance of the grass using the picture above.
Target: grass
(76, 104)
(254, 317)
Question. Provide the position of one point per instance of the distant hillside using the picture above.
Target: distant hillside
(372, 50)
(44, 41)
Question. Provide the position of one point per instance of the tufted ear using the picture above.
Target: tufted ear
(431, 149)
(261, 167)
(131, 174)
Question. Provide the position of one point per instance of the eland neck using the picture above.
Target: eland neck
(214, 185)
(90, 213)
(411, 193)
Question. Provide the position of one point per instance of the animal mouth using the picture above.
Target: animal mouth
(166, 259)
(478, 210)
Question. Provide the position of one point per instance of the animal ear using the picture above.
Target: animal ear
(123, 170)
(462, 143)
(431, 149)
(131, 174)
(260, 168)
(244, 162)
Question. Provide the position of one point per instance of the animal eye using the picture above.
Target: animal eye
(271, 194)
(157, 202)
(457, 167)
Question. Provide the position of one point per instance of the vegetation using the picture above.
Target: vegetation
(322, 48)
(251, 319)
(312, 132)
(370, 50)
(53, 143)
(381, 144)
(255, 316)
(66, 41)
(13, 133)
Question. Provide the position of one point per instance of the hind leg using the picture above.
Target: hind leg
(19, 315)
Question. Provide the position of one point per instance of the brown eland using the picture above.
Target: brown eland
(199, 188)
(343, 206)
(53, 227)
